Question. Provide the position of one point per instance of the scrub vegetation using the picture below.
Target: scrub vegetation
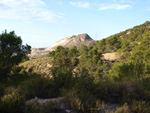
(85, 80)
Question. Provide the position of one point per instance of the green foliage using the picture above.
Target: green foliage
(64, 61)
(113, 43)
(73, 52)
(38, 87)
(12, 103)
(62, 77)
(63, 57)
(17, 70)
(130, 70)
(91, 61)
(12, 52)
(101, 45)
(49, 107)
(83, 49)
(141, 52)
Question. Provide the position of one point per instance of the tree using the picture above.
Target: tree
(63, 64)
(12, 52)
(83, 49)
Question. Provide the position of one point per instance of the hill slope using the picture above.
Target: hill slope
(124, 41)
(39, 66)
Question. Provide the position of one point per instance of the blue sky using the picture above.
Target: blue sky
(40, 23)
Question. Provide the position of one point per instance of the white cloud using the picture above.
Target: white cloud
(28, 10)
(113, 6)
(80, 4)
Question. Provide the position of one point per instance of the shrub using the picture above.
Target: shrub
(84, 101)
(12, 103)
(111, 91)
(36, 107)
(38, 87)
(123, 109)
(140, 107)
(10, 90)
(51, 107)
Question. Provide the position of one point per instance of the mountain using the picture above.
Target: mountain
(73, 40)
(65, 42)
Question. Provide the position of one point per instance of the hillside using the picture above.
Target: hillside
(38, 66)
(124, 41)
(65, 42)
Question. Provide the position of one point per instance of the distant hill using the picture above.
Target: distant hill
(65, 42)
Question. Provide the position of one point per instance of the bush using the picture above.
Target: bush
(84, 101)
(111, 91)
(140, 107)
(123, 109)
(12, 103)
(10, 90)
(17, 79)
(38, 87)
(36, 107)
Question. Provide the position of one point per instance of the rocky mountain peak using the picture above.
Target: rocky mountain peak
(69, 42)
(84, 36)
(72, 36)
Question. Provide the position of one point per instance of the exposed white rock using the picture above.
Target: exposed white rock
(109, 56)
(61, 42)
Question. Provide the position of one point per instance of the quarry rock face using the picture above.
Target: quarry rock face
(65, 42)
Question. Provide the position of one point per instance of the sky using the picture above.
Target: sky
(40, 23)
